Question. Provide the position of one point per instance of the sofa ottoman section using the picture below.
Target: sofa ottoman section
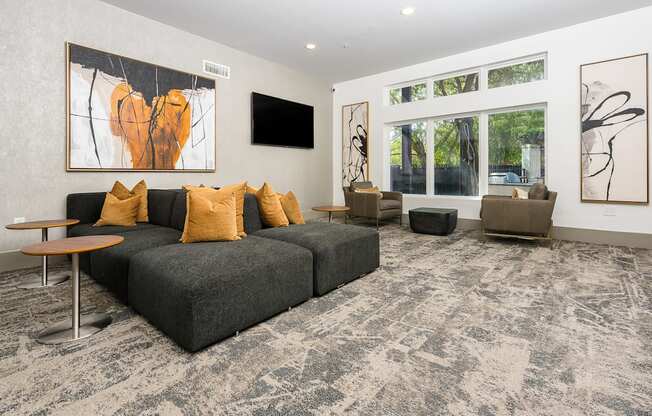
(341, 253)
(201, 293)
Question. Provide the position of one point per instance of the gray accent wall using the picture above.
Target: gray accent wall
(32, 110)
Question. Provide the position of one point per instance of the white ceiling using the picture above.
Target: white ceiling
(379, 38)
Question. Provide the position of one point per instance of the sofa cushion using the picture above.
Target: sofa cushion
(389, 204)
(178, 218)
(341, 253)
(86, 207)
(110, 266)
(201, 293)
(159, 203)
(80, 230)
(251, 215)
(88, 229)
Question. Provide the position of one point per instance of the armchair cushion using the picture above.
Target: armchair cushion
(397, 196)
(361, 185)
(389, 204)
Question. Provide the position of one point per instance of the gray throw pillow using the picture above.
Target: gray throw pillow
(538, 191)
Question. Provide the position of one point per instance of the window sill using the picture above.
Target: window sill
(443, 197)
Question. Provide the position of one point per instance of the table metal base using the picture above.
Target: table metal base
(34, 281)
(77, 326)
(63, 331)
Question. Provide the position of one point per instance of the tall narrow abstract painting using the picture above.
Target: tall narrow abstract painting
(125, 114)
(614, 143)
(355, 143)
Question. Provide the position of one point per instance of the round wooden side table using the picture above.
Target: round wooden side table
(331, 209)
(44, 280)
(79, 326)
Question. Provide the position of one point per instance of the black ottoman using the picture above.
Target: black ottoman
(437, 221)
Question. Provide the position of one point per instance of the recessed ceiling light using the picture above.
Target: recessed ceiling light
(407, 11)
(311, 46)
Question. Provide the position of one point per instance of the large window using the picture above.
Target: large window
(516, 149)
(408, 158)
(467, 147)
(407, 94)
(456, 85)
(517, 74)
(456, 156)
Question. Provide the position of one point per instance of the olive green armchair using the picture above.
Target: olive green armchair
(375, 206)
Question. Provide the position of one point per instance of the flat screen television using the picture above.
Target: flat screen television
(277, 122)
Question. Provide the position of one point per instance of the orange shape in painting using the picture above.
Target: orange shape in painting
(155, 136)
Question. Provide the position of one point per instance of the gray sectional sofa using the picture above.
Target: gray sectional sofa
(201, 293)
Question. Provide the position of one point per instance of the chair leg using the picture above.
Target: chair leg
(377, 224)
(400, 220)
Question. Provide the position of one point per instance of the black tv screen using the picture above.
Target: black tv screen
(277, 122)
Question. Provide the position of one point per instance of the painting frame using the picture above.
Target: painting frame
(346, 141)
(645, 142)
(69, 168)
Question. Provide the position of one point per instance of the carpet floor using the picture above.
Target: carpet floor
(447, 325)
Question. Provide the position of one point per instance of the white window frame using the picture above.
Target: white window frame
(532, 107)
(483, 82)
(455, 75)
(518, 61)
(431, 186)
(483, 148)
(403, 85)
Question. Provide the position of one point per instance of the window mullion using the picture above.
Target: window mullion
(483, 180)
(430, 157)
(484, 79)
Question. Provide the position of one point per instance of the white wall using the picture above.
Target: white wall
(32, 109)
(616, 36)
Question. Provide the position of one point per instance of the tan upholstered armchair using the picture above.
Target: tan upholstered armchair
(373, 205)
(530, 218)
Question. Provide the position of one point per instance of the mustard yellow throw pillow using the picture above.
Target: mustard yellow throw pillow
(373, 190)
(210, 216)
(291, 208)
(118, 212)
(238, 189)
(518, 193)
(140, 190)
(270, 207)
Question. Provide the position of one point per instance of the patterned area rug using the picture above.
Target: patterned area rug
(447, 325)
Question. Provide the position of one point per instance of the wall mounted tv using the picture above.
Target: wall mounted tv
(277, 122)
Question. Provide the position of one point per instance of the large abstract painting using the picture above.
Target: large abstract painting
(614, 111)
(125, 114)
(355, 143)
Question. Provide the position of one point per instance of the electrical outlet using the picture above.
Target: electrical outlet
(19, 220)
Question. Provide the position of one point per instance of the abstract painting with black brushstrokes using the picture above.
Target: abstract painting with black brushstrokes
(615, 131)
(355, 143)
(125, 114)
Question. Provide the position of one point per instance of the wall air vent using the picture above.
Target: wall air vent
(217, 70)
